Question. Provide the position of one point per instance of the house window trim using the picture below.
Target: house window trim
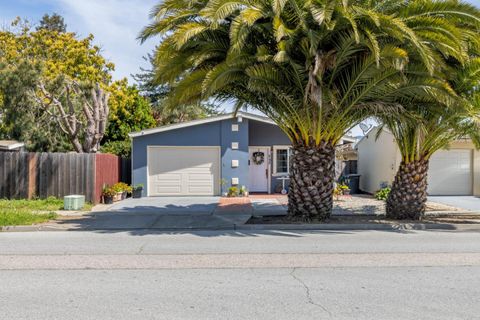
(289, 151)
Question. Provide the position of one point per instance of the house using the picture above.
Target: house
(11, 145)
(207, 156)
(453, 171)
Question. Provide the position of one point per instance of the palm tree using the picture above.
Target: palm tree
(316, 67)
(427, 126)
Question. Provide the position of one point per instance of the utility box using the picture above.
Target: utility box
(74, 202)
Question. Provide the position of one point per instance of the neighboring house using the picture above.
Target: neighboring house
(455, 171)
(11, 145)
(207, 156)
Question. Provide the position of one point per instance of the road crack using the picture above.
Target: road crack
(307, 292)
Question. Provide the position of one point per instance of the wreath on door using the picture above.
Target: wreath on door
(258, 158)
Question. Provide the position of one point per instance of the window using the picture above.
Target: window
(281, 160)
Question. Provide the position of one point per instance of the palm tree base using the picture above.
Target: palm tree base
(408, 196)
(312, 174)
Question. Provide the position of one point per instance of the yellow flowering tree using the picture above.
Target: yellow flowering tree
(55, 77)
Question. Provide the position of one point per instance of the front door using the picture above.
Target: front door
(258, 159)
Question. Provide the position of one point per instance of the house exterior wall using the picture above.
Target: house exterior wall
(268, 135)
(202, 135)
(228, 153)
(378, 161)
(218, 133)
(210, 134)
(264, 134)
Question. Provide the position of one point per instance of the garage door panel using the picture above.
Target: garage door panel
(450, 172)
(183, 171)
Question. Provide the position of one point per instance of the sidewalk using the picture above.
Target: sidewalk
(257, 212)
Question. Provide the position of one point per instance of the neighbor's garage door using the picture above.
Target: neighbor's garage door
(183, 171)
(450, 172)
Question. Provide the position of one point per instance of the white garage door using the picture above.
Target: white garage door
(450, 172)
(183, 171)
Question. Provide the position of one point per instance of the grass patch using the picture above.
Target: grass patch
(49, 204)
(14, 217)
(28, 212)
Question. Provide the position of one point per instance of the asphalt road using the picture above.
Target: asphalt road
(238, 275)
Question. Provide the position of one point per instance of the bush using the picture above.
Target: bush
(382, 194)
(122, 187)
(233, 192)
(120, 148)
(108, 191)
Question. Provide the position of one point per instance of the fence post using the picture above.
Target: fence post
(32, 175)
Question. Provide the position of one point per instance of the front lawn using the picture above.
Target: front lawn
(15, 217)
(49, 204)
(27, 212)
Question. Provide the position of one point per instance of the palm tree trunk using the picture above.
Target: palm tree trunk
(312, 174)
(408, 197)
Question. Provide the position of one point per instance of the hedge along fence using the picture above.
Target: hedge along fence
(28, 175)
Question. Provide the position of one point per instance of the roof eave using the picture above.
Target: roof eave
(199, 122)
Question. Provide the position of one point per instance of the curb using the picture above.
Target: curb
(362, 226)
(274, 227)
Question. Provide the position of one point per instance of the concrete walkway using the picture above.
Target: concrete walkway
(215, 213)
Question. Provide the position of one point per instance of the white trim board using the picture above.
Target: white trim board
(201, 121)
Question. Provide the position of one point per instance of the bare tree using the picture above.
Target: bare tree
(81, 113)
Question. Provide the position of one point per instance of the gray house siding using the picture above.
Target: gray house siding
(250, 133)
(228, 154)
(202, 135)
(264, 134)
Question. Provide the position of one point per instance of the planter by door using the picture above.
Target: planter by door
(137, 193)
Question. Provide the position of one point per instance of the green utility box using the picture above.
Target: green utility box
(73, 202)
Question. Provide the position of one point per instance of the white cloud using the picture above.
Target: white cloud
(115, 25)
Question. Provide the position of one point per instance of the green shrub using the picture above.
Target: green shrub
(122, 187)
(233, 192)
(382, 194)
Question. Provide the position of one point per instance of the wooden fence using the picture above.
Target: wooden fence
(28, 175)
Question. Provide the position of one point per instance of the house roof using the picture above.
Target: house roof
(10, 145)
(221, 117)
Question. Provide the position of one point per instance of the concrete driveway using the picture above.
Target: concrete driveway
(168, 205)
(469, 203)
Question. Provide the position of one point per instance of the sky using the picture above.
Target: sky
(114, 23)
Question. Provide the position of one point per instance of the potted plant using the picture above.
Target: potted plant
(345, 189)
(337, 192)
(108, 194)
(118, 192)
(244, 191)
(123, 189)
(232, 192)
(137, 191)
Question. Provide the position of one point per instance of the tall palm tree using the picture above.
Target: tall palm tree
(426, 127)
(316, 67)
